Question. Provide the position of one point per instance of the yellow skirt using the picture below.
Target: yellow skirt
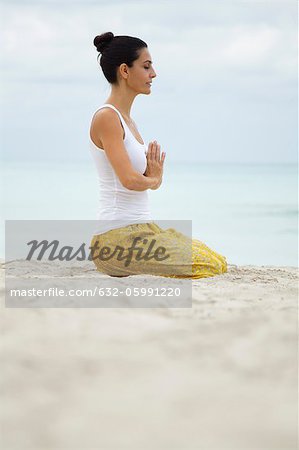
(182, 256)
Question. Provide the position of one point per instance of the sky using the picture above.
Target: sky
(225, 91)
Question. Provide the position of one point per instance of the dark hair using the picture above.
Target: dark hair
(116, 50)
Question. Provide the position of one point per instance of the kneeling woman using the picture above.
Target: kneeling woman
(127, 168)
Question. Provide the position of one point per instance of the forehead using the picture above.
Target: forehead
(144, 55)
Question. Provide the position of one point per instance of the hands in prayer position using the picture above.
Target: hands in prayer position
(155, 163)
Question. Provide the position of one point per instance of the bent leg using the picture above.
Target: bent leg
(187, 258)
(205, 261)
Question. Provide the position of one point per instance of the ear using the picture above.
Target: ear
(123, 69)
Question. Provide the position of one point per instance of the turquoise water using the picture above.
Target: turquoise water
(246, 212)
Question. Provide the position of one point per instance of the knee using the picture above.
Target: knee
(223, 266)
(219, 266)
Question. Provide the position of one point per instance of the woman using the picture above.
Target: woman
(127, 241)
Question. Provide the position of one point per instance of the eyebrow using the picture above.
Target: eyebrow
(147, 61)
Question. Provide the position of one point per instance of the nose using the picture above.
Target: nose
(153, 73)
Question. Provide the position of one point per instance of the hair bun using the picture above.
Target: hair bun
(102, 41)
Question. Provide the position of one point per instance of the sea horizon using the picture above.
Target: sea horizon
(245, 211)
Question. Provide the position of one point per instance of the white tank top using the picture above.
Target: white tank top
(120, 206)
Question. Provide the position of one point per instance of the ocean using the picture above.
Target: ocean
(247, 212)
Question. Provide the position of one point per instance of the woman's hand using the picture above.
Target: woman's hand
(155, 163)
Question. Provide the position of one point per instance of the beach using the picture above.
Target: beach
(220, 375)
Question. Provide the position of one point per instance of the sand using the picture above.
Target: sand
(220, 375)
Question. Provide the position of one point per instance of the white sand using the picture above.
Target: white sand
(220, 375)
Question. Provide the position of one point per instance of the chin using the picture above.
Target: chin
(143, 92)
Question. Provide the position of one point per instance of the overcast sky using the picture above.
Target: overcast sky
(225, 91)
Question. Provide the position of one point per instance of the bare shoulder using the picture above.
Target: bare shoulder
(105, 121)
(103, 113)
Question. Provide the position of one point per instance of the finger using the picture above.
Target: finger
(158, 152)
(155, 151)
(150, 150)
(154, 148)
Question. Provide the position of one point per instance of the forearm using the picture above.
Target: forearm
(138, 182)
(157, 185)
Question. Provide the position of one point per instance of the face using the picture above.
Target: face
(141, 73)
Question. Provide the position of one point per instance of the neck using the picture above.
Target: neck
(122, 99)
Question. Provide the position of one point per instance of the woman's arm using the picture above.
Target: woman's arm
(157, 185)
(106, 125)
(138, 182)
